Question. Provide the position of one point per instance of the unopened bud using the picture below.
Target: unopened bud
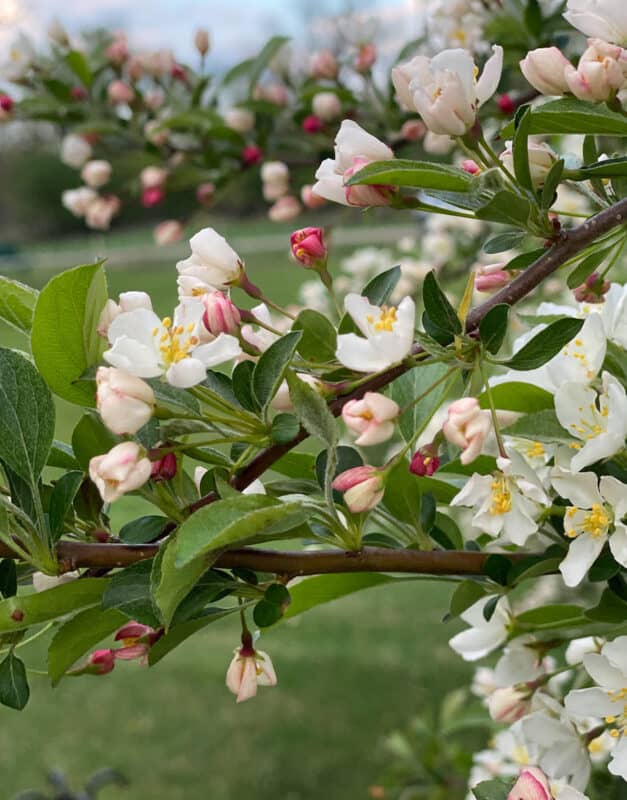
(506, 104)
(592, 290)
(308, 246)
(165, 468)
(470, 166)
(201, 41)
(363, 487)
(205, 193)
(251, 155)
(312, 124)
(425, 461)
(221, 314)
(152, 197)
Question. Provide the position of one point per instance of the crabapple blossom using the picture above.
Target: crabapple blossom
(284, 209)
(124, 402)
(308, 247)
(123, 469)
(326, 106)
(467, 426)
(75, 150)
(239, 119)
(147, 346)
(425, 461)
(490, 277)
(372, 418)
(101, 211)
(541, 159)
(201, 41)
(601, 72)
(282, 400)
(445, 91)
(137, 639)
(119, 92)
(484, 635)
(42, 582)
(127, 301)
(592, 290)
(221, 314)
(606, 19)
(275, 177)
(544, 69)
(509, 704)
(388, 333)
(363, 487)
(213, 261)
(96, 173)
(77, 201)
(312, 124)
(323, 64)
(249, 669)
(168, 232)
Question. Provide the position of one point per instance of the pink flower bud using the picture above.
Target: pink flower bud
(366, 57)
(489, 277)
(152, 197)
(153, 177)
(308, 246)
(251, 155)
(467, 427)
(137, 639)
(117, 51)
(96, 173)
(101, 211)
(506, 104)
(532, 784)
(79, 93)
(366, 195)
(310, 198)
(205, 193)
(413, 129)
(425, 461)
(544, 69)
(179, 73)
(323, 65)
(168, 232)
(312, 124)
(274, 93)
(221, 314)
(363, 487)
(508, 704)
(285, 209)
(470, 166)
(164, 469)
(372, 418)
(600, 73)
(326, 106)
(123, 469)
(125, 402)
(592, 289)
(6, 103)
(201, 41)
(100, 662)
(154, 99)
(120, 92)
(249, 669)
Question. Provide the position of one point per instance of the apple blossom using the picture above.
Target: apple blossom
(100, 662)
(437, 144)
(470, 166)
(221, 314)
(598, 419)
(544, 69)
(120, 93)
(123, 469)
(467, 426)
(506, 503)
(445, 91)
(100, 213)
(354, 148)
(601, 72)
(205, 192)
(595, 517)
(260, 337)
(326, 106)
(608, 669)
(363, 487)
(506, 104)
(533, 784)
(137, 639)
(239, 119)
(125, 402)
(147, 347)
(75, 150)
(251, 155)
(372, 418)
(282, 400)
(412, 130)
(592, 290)
(213, 261)
(366, 56)
(96, 173)
(388, 332)
(117, 51)
(153, 177)
(518, 663)
(606, 19)
(201, 41)
(308, 247)
(127, 301)
(77, 201)
(323, 64)
(6, 103)
(509, 704)
(541, 159)
(484, 635)
(284, 209)
(275, 177)
(577, 648)
(168, 232)
(249, 669)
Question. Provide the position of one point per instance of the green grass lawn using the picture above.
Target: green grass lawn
(348, 672)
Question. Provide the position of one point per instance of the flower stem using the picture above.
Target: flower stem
(495, 422)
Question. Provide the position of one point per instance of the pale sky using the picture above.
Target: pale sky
(237, 28)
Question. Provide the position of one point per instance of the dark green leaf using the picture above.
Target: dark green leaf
(438, 307)
(411, 385)
(507, 208)
(493, 327)
(179, 633)
(402, 494)
(61, 455)
(242, 378)
(610, 608)
(128, 591)
(551, 183)
(542, 426)
(61, 500)
(545, 345)
(490, 607)
(569, 115)
(523, 260)
(346, 458)
(14, 691)
(586, 267)
(503, 241)
(380, 288)
(77, 62)
(284, 428)
(516, 396)
(465, 595)
(91, 438)
(8, 578)
(551, 616)
(312, 410)
(319, 339)
(264, 57)
(270, 369)
(497, 567)
(519, 148)
(142, 530)
(497, 789)
(414, 174)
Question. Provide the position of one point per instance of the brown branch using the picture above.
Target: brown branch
(370, 559)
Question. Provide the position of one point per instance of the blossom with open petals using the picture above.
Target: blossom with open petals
(147, 346)
(388, 332)
(249, 669)
(125, 402)
(123, 469)
(212, 262)
(484, 635)
(606, 19)
(372, 418)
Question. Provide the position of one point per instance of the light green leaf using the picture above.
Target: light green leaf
(79, 635)
(551, 616)
(17, 303)
(319, 340)
(414, 174)
(61, 500)
(270, 369)
(21, 612)
(542, 426)
(179, 633)
(64, 339)
(27, 416)
(570, 115)
(77, 62)
(312, 410)
(411, 385)
(517, 396)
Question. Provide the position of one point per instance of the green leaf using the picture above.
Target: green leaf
(171, 397)
(503, 241)
(402, 494)
(497, 789)
(77, 62)
(179, 633)
(380, 288)
(497, 567)
(285, 427)
(545, 345)
(128, 592)
(609, 168)
(62, 456)
(142, 530)
(64, 339)
(319, 339)
(14, 691)
(21, 612)
(586, 267)
(533, 18)
(345, 458)
(465, 595)
(412, 384)
(554, 615)
(91, 438)
(61, 500)
(551, 182)
(8, 578)
(507, 208)
(236, 521)
(523, 260)
(242, 378)
(27, 416)
(312, 410)
(17, 303)
(296, 465)
(170, 584)
(520, 152)
(79, 635)
(270, 369)
(493, 328)
(518, 396)
(414, 174)
(541, 426)
(610, 608)
(438, 307)
(570, 115)
(265, 56)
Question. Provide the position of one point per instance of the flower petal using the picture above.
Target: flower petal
(582, 554)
